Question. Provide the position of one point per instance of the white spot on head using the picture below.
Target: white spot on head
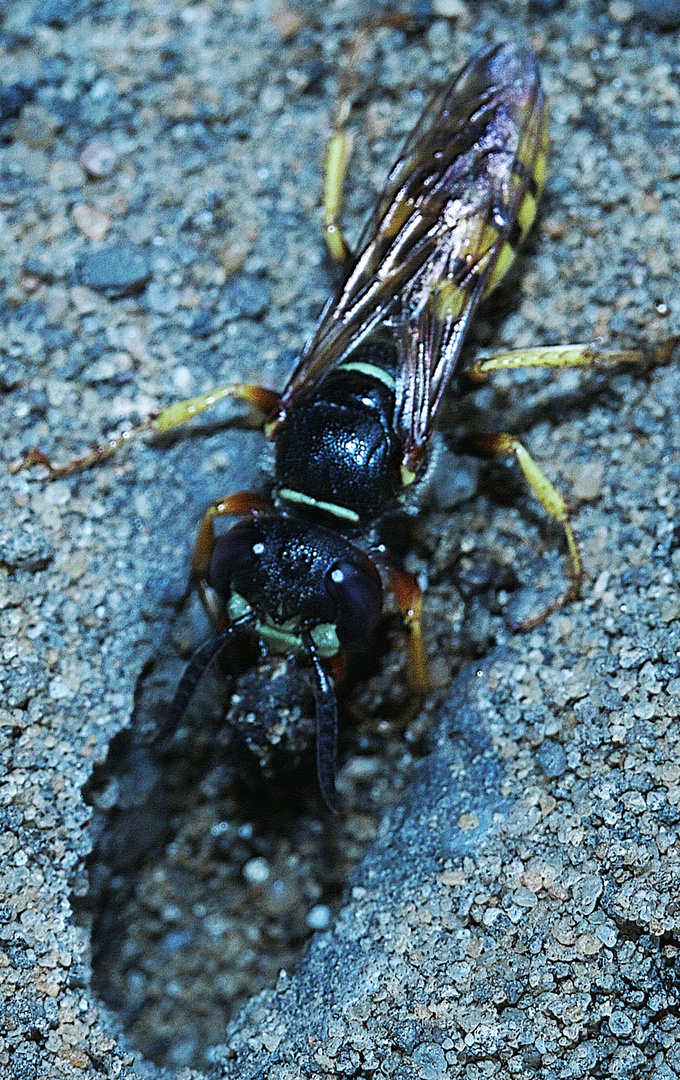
(337, 575)
(258, 549)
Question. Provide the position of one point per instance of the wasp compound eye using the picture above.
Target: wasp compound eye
(357, 592)
(236, 553)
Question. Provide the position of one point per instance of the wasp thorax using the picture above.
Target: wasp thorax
(337, 451)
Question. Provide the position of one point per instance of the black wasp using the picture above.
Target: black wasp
(303, 569)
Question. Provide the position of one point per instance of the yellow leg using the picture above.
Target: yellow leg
(338, 154)
(563, 356)
(259, 397)
(554, 356)
(263, 400)
(551, 501)
(339, 148)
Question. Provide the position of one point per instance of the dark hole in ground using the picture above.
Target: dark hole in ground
(212, 865)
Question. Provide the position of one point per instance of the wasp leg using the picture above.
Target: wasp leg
(98, 453)
(338, 152)
(551, 501)
(409, 597)
(239, 504)
(261, 399)
(339, 148)
(563, 356)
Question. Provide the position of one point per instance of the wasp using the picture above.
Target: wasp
(303, 569)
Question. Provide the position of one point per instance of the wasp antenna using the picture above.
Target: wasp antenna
(326, 729)
(193, 673)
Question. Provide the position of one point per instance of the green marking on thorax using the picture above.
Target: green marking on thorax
(372, 370)
(292, 496)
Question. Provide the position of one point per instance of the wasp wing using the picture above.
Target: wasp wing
(455, 207)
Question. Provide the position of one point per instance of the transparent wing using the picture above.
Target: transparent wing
(455, 207)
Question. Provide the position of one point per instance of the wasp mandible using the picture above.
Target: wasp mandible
(303, 569)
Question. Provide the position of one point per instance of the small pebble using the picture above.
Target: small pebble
(665, 13)
(621, 11)
(587, 944)
(65, 174)
(203, 325)
(466, 822)
(118, 270)
(233, 255)
(90, 221)
(256, 871)
(449, 9)
(37, 127)
(588, 481)
(98, 158)
(287, 22)
(552, 758)
(244, 297)
(620, 1023)
(455, 480)
(162, 298)
(58, 689)
(84, 300)
(132, 340)
(13, 98)
(429, 1062)
(319, 917)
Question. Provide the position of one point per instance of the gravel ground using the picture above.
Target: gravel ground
(499, 896)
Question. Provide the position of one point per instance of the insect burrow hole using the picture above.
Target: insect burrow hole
(213, 857)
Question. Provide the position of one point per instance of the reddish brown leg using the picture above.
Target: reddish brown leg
(240, 504)
(409, 597)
